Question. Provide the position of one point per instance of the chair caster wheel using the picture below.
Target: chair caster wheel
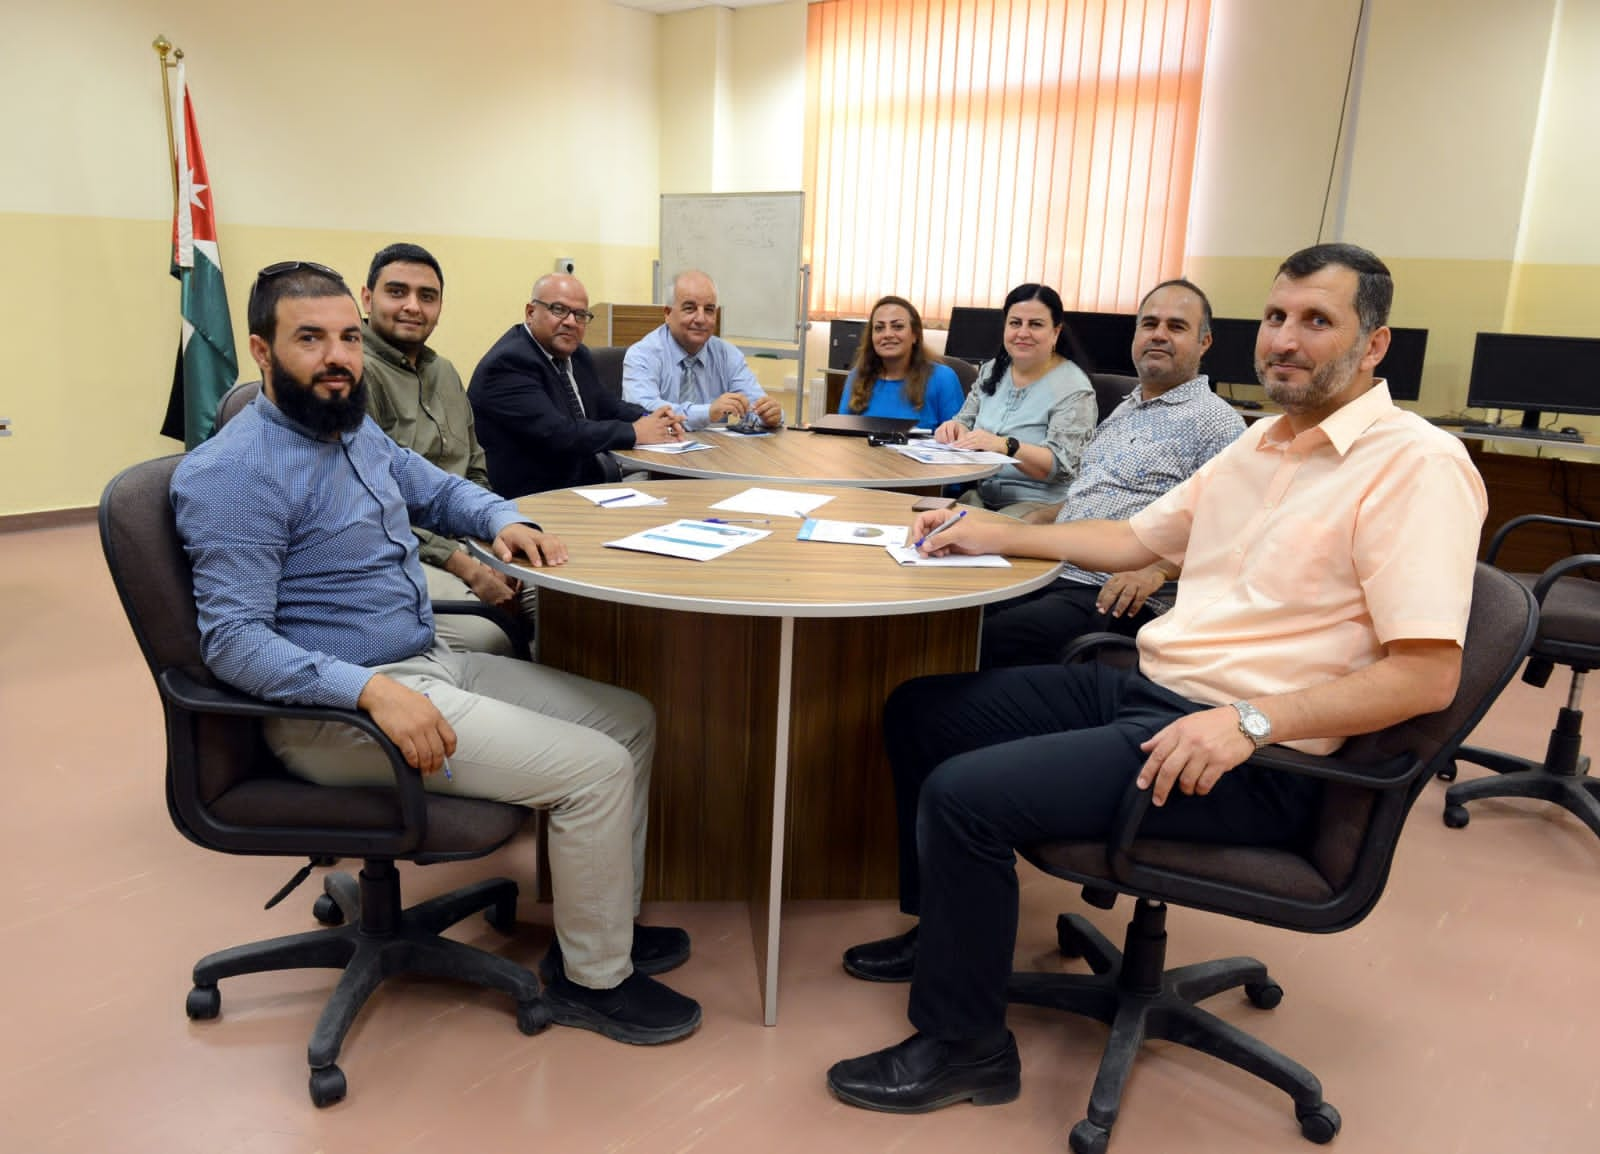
(327, 1086)
(502, 920)
(203, 1003)
(1318, 1124)
(533, 1016)
(1087, 1138)
(1264, 995)
(1456, 816)
(327, 911)
(1447, 773)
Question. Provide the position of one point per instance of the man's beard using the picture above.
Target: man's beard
(1327, 381)
(324, 417)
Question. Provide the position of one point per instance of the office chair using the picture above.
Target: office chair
(1569, 634)
(1110, 389)
(234, 400)
(966, 372)
(226, 792)
(608, 367)
(1329, 883)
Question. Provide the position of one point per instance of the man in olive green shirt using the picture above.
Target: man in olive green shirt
(417, 398)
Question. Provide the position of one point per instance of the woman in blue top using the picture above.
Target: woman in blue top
(1030, 403)
(894, 376)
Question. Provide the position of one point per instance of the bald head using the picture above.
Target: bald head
(558, 313)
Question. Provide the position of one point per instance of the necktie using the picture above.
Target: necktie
(686, 395)
(574, 399)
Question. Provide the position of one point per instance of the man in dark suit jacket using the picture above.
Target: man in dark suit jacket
(540, 412)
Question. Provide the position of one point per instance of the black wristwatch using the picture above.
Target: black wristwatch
(1012, 445)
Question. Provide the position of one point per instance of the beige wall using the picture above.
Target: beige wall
(488, 131)
(482, 131)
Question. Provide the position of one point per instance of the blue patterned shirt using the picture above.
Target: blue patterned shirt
(1142, 449)
(305, 567)
(652, 376)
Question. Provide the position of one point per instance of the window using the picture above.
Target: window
(956, 148)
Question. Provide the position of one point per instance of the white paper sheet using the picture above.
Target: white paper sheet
(852, 533)
(674, 447)
(618, 498)
(907, 555)
(774, 503)
(929, 454)
(691, 540)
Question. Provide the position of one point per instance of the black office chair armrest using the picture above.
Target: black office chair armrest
(1559, 570)
(185, 692)
(610, 469)
(1516, 523)
(1390, 773)
(516, 632)
(1088, 644)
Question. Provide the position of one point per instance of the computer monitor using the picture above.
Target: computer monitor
(1106, 340)
(1402, 364)
(974, 334)
(1535, 374)
(1231, 359)
(844, 338)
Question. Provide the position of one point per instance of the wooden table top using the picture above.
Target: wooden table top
(802, 458)
(778, 576)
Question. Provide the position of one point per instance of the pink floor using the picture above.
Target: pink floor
(1462, 1016)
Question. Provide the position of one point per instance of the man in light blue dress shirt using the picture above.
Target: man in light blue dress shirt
(682, 364)
(297, 518)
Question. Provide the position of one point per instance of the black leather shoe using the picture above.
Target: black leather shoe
(886, 960)
(639, 1010)
(656, 949)
(922, 1074)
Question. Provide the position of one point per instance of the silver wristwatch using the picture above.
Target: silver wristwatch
(1254, 724)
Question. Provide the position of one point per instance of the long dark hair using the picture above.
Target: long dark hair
(869, 365)
(1066, 342)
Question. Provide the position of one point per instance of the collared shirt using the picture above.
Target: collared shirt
(652, 376)
(1057, 411)
(1142, 449)
(423, 408)
(1303, 556)
(305, 566)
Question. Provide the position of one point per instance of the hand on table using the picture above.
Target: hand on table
(535, 547)
(966, 535)
(656, 428)
(730, 407)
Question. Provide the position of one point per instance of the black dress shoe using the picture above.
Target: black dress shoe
(886, 960)
(656, 949)
(922, 1074)
(638, 1010)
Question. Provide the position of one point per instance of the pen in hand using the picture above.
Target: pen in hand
(939, 529)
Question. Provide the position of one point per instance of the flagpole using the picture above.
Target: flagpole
(163, 46)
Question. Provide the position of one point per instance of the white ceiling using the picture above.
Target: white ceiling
(665, 6)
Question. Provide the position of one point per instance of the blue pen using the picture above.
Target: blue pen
(618, 497)
(738, 520)
(448, 776)
(940, 529)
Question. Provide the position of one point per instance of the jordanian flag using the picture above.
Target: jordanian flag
(207, 364)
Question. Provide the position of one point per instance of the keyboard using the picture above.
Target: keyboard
(1522, 434)
(1454, 422)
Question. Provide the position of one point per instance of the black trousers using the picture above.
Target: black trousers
(985, 762)
(1034, 629)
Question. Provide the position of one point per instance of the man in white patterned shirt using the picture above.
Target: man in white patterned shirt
(1166, 429)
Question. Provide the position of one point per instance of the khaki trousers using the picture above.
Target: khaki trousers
(462, 631)
(537, 737)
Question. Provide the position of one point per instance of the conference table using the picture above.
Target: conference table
(804, 458)
(768, 668)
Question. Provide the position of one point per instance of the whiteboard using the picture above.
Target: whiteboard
(749, 243)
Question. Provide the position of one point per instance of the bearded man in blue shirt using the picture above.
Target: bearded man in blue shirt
(297, 521)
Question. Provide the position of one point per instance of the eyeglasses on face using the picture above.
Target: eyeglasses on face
(562, 312)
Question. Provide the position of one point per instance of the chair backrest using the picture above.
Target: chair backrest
(966, 372)
(608, 367)
(235, 399)
(1109, 391)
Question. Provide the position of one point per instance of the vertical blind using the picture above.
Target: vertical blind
(955, 148)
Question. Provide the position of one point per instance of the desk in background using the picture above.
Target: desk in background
(768, 669)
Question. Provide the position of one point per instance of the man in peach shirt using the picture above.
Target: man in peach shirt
(1327, 561)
